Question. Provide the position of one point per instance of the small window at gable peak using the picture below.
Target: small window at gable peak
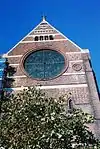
(46, 37)
(51, 37)
(41, 37)
(36, 38)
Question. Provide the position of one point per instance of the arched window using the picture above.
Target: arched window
(36, 38)
(70, 104)
(51, 37)
(41, 37)
(46, 37)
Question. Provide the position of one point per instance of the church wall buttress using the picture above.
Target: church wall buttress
(93, 94)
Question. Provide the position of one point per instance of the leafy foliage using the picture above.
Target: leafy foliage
(30, 120)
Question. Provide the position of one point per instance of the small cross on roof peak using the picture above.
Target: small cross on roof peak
(43, 18)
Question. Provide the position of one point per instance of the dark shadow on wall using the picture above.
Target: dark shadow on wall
(95, 80)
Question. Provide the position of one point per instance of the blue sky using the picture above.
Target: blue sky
(78, 20)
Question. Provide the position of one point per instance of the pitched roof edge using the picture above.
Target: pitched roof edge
(24, 38)
(50, 26)
(67, 38)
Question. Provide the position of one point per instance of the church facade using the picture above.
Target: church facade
(49, 60)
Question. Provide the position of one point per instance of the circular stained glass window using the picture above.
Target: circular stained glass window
(44, 64)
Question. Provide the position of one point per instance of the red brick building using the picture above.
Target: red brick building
(46, 57)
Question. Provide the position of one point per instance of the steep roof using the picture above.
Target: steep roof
(42, 29)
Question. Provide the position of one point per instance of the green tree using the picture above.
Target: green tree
(30, 120)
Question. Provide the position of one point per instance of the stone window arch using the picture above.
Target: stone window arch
(41, 37)
(70, 103)
(51, 37)
(36, 38)
(46, 37)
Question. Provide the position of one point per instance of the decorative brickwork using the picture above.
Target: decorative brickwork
(64, 46)
(80, 95)
(77, 66)
(61, 80)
